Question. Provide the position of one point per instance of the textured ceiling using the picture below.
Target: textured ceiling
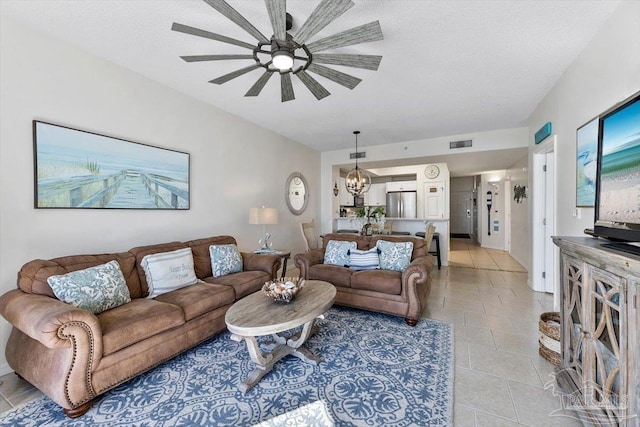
(448, 67)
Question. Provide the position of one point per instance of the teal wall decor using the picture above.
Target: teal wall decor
(544, 132)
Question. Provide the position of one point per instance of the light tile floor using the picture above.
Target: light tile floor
(467, 253)
(499, 376)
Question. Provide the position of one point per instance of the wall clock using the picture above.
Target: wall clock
(431, 171)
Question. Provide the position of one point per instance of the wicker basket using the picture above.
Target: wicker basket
(549, 338)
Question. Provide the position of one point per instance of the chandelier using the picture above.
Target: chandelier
(358, 180)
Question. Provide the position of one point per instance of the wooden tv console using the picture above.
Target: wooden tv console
(600, 364)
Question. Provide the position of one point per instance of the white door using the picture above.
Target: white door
(434, 200)
(507, 215)
(545, 254)
(460, 211)
(550, 254)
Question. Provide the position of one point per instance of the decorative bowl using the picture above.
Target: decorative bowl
(283, 290)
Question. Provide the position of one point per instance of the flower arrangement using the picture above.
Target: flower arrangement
(369, 213)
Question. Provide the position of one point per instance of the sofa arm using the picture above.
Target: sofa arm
(270, 264)
(53, 345)
(51, 322)
(415, 285)
(305, 260)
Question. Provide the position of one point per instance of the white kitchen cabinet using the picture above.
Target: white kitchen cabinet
(402, 186)
(376, 196)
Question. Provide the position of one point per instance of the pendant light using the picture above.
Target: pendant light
(358, 180)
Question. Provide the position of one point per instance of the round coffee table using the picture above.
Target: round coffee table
(258, 315)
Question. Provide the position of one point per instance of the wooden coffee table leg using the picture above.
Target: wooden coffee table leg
(264, 363)
(308, 330)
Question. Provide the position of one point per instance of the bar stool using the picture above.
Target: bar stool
(436, 237)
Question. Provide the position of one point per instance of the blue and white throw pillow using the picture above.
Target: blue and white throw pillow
(394, 255)
(225, 259)
(337, 252)
(364, 260)
(168, 271)
(95, 289)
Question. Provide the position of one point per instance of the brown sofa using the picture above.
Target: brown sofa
(72, 355)
(393, 292)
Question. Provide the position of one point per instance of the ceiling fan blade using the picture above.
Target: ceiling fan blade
(278, 14)
(324, 13)
(207, 35)
(286, 87)
(312, 84)
(225, 9)
(341, 78)
(258, 85)
(223, 79)
(198, 58)
(365, 33)
(367, 62)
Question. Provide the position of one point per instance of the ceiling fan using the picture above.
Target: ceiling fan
(280, 52)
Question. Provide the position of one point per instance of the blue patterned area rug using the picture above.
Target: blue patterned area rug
(376, 371)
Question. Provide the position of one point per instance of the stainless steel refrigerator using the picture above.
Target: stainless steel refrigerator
(401, 204)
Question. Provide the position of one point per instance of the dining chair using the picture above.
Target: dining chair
(429, 236)
(308, 230)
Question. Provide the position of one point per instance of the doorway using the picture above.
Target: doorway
(461, 214)
(545, 254)
(461, 210)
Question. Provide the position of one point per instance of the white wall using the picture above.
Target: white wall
(235, 165)
(520, 233)
(605, 72)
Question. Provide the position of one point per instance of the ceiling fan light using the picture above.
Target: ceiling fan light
(282, 60)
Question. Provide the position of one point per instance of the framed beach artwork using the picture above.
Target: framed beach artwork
(83, 170)
(586, 162)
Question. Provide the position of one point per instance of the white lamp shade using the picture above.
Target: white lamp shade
(263, 215)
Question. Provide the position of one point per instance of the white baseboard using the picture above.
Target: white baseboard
(5, 369)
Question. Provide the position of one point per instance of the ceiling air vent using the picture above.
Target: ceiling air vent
(460, 144)
(358, 155)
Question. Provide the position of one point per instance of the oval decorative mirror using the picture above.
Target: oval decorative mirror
(296, 193)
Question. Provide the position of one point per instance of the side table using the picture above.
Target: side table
(283, 254)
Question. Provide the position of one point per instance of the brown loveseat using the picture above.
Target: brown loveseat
(393, 292)
(72, 355)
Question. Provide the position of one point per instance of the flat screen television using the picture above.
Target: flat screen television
(617, 210)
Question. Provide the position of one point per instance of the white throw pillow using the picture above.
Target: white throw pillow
(95, 289)
(364, 260)
(168, 271)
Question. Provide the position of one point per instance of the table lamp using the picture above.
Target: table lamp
(264, 216)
